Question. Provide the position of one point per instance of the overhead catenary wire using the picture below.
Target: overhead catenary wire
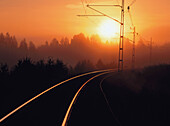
(144, 39)
(94, 21)
(86, 1)
(83, 6)
(90, 1)
(89, 6)
(134, 34)
(132, 2)
(118, 2)
(150, 46)
(121, 22)
(130, 16)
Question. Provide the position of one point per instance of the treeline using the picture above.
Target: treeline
(52, 71)
(79, 48)
(32, 76)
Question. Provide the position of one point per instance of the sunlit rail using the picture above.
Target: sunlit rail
(105, 97)
(67, 115)
(24, 104)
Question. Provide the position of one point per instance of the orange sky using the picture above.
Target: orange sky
(41, 20)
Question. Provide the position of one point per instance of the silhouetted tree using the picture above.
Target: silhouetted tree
(64, 41)
(84, 66)
(110, 65)
(2, 39)
(24, 68)
(46, 44)
(50, 62)
(100, 64)
(32, 47)
(7, 39)
(4, 73)
(54, 43)
(79, 40)
(14, 43)
(40, 63)
(23, 45)
(4, 68)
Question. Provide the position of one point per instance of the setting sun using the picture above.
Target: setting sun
(108, 29)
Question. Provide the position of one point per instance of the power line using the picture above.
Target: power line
(102, 14)
(131, 18)
(86, 11)
(120, 60)
(83, 6)
(134, 35)
(132, 2)
(86, 1)
(118, 2)
(150, 46)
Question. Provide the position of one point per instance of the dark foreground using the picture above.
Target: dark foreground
(136, 99)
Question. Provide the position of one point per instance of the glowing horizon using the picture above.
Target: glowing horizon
(43, 20)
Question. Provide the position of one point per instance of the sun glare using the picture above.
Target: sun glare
(108, 29)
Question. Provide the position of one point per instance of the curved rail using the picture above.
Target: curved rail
(24, 104)
(76, 95)
(105, 97)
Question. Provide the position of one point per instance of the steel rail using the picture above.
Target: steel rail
(105, 97)
(67, 115)
(35, 97)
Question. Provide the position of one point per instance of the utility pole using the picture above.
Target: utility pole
(133, 50)
(120, 60)
(134, 36)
